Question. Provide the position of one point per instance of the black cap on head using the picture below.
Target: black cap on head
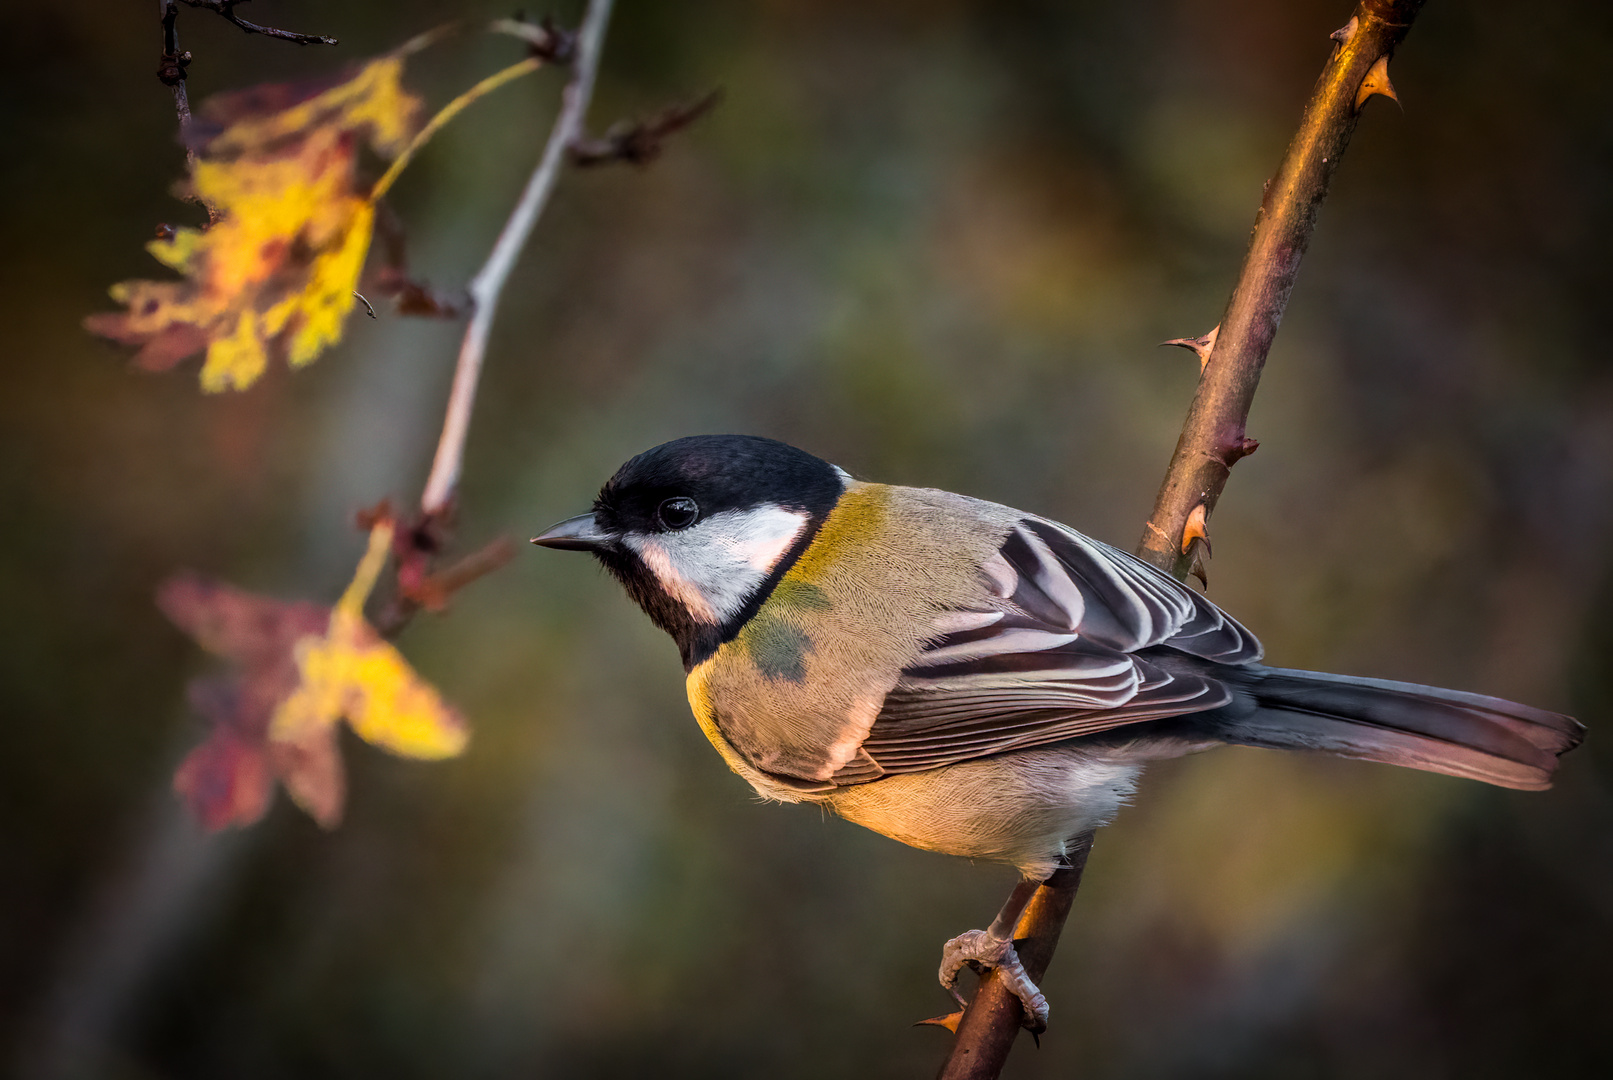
(677, 485)
(718, 472)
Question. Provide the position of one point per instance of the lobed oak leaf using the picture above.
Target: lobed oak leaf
(275, 274)
(300, 669)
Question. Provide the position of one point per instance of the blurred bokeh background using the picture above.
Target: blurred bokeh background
(935, 243)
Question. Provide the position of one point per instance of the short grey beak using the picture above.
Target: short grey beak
(581, 533)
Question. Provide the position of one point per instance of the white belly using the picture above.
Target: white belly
(1019, 808)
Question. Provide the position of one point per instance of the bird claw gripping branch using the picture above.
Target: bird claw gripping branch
(983, 949)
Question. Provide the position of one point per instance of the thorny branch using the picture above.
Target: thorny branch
(488, 283)
(1213, 436)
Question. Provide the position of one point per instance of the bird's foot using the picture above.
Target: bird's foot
(983, 950)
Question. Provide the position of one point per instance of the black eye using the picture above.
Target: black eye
(679, 512)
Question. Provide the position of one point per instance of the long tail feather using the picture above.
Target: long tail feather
(1421, 727)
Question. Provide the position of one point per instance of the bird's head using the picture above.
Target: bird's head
(700, 529)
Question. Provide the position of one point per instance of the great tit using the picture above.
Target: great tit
(972, 679)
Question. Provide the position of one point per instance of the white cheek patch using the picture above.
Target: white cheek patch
(713, 567)
(766, 545)
(680, 588)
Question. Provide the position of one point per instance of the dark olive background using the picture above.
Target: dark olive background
(935, 243)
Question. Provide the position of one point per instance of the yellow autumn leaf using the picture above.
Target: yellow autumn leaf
(276, 271)
(352, 673)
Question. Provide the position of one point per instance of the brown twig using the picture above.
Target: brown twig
(422, 540)
(639, 142)
(171, 72)
(1213, 436)
(548, 42)
(171, 68)
(226, 10)
(489, 281)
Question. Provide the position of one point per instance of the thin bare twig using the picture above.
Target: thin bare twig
(546, 40)
(489, 281)
(1213, 436)
(171, 70)
(639, 142)
(171, 73)
(226, 10)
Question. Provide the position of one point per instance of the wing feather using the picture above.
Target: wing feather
(1050, 655)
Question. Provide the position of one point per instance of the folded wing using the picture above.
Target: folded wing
(1049, 655)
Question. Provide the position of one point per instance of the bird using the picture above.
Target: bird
(972, 679)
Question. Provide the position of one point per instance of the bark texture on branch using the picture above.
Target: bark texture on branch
(1213, 436)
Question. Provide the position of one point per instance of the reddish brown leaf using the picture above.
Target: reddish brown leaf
(252, 630)
(298, 670)
(226, 781)
(310, 766)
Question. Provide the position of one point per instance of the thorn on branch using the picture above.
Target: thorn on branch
(545, 40)
(950, 1022)
(1344, 33)
(639, 142)
(1201, 346)
(1376, 82)
(1196, 543)
(1196, 530)
(435, 590)
(225, 9)
(1196, 568)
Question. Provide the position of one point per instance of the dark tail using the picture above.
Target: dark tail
(1421, 727)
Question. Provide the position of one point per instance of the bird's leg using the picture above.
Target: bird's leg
(993, 947)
